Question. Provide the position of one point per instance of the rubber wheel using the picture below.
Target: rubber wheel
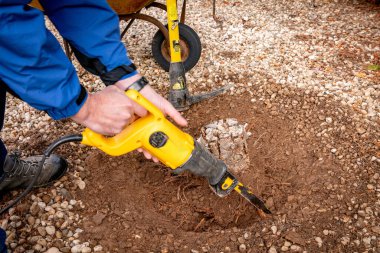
(190, 48)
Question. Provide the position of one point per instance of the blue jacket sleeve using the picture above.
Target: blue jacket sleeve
(92, 29)
(33, 65)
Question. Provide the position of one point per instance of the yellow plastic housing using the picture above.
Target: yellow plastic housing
(176, 151)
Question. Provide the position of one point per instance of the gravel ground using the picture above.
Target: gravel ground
(307, 50)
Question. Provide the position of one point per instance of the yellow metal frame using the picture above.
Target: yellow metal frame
(173, 28)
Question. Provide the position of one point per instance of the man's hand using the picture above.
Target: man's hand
(108, 111)
(161, 103)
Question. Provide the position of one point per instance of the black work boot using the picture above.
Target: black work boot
(20, 172)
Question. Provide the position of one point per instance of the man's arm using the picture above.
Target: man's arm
(92, 29)
(33, 65)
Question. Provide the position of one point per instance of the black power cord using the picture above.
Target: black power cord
(47, 153)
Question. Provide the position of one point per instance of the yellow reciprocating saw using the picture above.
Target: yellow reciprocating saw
(173, 147)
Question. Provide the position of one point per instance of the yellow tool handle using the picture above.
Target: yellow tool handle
(153, 132)
(173, 29)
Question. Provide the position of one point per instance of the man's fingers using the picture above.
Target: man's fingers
(147, 154)
(175, 115)
(139, 110)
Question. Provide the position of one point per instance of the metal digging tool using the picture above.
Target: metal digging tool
(179, 94)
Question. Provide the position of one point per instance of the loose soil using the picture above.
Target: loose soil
(138, 206)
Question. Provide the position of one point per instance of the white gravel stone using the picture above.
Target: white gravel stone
(319, 241)
(345, 240)
(242, 248)
(41, 231)
(86, 249)
(272, 250)
(50, 230)
(367, 242)
(376, 229)
(98, 248)
(81, 184)
(36, 247)
(370, 187)
(53, 250)
(295, 248)
(76, 249)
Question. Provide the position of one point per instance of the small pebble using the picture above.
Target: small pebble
(295, 248)
(81, 184)
(376, 230)
(50, 230)
(53, 250)
(86, 250)
(76, 249)
(242, 247)
(370, 187)
(41, 231)
(319, 241)
(272, 250)
(98, 248)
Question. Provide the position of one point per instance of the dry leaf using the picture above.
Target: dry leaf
(361, 74)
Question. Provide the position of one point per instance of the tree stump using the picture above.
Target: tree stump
(227, 140)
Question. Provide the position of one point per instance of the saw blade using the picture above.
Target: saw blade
(252, 198)
(229, 182)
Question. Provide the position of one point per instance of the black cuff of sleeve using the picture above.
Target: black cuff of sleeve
(116, 74)
(139, 84)
(82, 95)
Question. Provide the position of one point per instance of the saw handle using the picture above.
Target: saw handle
(141, 100)
(153, 132)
